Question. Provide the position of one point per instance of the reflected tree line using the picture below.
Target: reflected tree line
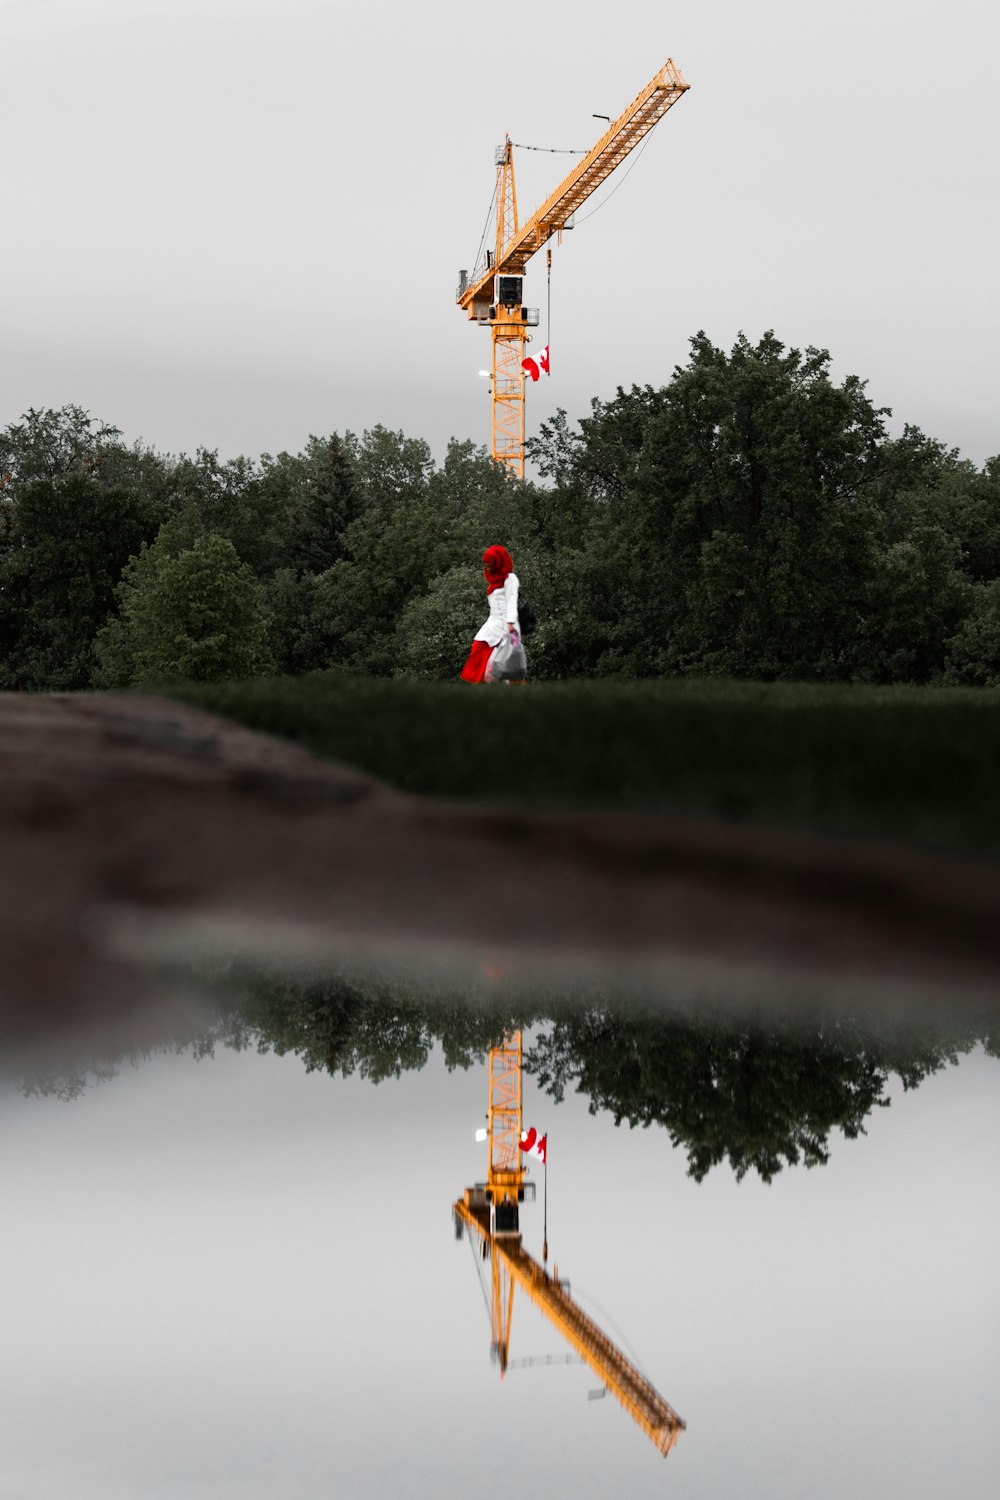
(749, 1087)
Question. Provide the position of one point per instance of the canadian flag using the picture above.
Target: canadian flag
(533, 1144)
(536, 365)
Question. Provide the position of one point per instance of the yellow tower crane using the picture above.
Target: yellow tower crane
(491, 1211)
(492, 294)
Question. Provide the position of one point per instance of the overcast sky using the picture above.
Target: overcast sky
(231, 1278)
(236, 222)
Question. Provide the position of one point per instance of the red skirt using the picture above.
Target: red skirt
(478, 659)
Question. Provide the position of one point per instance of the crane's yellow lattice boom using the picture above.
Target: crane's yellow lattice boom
(513, 1266)
(622, 136)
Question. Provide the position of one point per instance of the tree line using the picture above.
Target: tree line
(750, 518)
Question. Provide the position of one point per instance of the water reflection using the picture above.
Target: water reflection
(490, 1213)
(294, 1226)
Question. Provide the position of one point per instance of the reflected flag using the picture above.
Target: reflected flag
(533, 1144)
(536, 365)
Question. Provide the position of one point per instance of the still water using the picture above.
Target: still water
(231, 1276)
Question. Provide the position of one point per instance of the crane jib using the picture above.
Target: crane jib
(617, 1374)
(620, 138)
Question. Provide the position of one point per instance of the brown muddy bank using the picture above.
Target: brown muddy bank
(133, 825)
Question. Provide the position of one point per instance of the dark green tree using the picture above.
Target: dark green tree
(917, 596)
(759, 1095)
(973, 652)
(66, 542)
(435, 628)
(313, 498)
(227, 496)
(189, 609)
(752, 518)
(296, 639)
(390, 468)
(51, 444)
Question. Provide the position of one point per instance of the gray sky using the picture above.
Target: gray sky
(236, 222)
(231, 1278)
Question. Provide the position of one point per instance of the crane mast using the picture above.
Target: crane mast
(492, 295)
(509, 322)
(491, 1212)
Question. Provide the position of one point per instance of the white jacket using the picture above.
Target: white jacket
(503, 612)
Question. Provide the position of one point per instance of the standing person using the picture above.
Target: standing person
(501, 591)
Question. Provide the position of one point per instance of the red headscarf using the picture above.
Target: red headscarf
(496, 566)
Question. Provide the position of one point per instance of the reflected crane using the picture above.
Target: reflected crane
(492, 295)
(490, 1211)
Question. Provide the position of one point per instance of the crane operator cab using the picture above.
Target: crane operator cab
(497, 1207)
(504, 1218)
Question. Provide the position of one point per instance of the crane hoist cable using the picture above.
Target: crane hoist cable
(548, 317)
(489, 215)
(482, 1282)
(583, 1296)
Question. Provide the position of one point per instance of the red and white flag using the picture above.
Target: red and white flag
(536, 365)
(533, 1144)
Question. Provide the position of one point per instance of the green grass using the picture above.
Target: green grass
(907, 764)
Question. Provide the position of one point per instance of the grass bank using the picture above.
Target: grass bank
(918, 765)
